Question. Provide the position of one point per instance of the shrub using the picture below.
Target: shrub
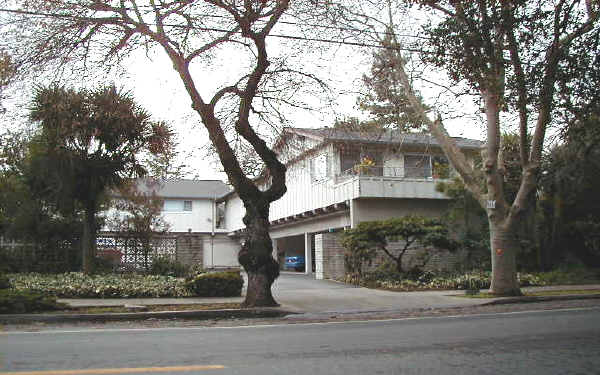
(44, 258)
(102, 265)
(4, 282)
(216, 284)
(79, 285)
(166, 266)
(195, 269)
(19, 301)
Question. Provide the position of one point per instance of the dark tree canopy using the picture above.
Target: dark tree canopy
(89, 141)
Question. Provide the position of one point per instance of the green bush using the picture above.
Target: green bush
(47, 258)
(216, 284)
(195, 269)
(4, 282)
(102, 265)
(166, 266)
(569, 276)
(18, 302)
(79, 285)
(386, 279)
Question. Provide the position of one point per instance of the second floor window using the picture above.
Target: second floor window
(177, 205)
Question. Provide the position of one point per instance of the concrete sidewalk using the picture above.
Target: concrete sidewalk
(303, 294)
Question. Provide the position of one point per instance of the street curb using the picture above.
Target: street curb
(529, 299)
(264, 312)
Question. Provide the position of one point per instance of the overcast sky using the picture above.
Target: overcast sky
(158, 88)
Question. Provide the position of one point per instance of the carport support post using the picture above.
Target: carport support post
(307, 254)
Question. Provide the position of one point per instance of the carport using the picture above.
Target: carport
(297, 245)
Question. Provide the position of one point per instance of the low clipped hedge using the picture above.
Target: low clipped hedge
(215, 284)
(475, 280)
(19, 302)
(79, 285)
(4, 282)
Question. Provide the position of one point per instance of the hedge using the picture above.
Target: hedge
(217, 284)
(4, 282)
(79, 285)
(18, 302)
(477, 280)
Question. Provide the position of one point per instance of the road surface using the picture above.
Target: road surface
(542, 342)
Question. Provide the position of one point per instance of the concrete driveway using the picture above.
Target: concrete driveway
(298, 292)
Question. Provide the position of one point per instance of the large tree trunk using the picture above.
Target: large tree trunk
(504, 248)
(88, 241)
(256, 256)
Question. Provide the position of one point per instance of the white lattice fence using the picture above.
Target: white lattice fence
(130, 253)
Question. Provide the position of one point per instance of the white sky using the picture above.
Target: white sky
(158, 88)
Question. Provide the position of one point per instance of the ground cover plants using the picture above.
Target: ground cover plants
(79, 285)
(473, 280)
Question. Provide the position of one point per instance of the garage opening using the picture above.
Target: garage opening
(291, 253)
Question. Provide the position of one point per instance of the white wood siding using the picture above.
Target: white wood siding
(303, 194)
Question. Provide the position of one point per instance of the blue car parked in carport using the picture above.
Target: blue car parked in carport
(294, 263)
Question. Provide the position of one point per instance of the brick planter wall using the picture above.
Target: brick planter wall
(329, 256)
(190, 249)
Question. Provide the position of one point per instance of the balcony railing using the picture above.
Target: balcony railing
(399, 172)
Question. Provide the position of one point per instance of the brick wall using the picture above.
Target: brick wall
(190, 249)
(439, 260)
(329, 256)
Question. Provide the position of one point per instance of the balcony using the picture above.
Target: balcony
(394, 182)
(369, 182)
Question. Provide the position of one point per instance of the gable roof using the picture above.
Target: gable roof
(383, 137)
(192, 189)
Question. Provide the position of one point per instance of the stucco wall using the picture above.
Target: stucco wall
(379, 209)
(198, 220)
(220, 251)
(234, 213)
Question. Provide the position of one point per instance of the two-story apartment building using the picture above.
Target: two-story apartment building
(338, 178)
(335, 180)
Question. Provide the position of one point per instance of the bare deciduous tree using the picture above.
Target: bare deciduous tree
(512, 55)
(193, 34)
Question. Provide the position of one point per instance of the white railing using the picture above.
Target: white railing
(382, 171)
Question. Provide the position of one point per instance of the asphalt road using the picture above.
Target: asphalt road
(548, 342)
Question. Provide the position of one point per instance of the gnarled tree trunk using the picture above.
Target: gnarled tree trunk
(257, 259)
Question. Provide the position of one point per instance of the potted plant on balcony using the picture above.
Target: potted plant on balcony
(441, 170)
(365, 167)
